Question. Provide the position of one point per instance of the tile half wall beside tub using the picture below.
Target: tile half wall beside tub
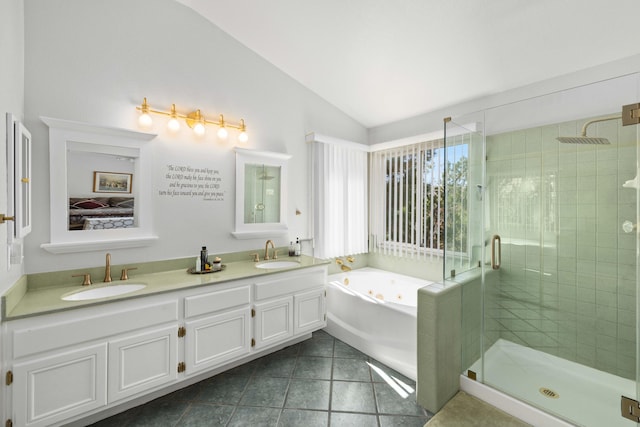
(448, 336)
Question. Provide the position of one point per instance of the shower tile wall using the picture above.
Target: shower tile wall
(567, 283)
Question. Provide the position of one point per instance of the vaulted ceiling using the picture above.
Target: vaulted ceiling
(381, 61)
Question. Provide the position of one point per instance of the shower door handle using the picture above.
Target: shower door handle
(496, 260)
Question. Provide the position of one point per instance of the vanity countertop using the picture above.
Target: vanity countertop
(48, 300)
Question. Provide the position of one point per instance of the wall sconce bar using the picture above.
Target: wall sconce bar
(195, 120)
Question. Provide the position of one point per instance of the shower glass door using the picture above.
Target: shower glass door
(558, 311)
(463, 181)
(465, 224)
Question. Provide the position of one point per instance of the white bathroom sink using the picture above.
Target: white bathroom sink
(269, 265)
(106, 291)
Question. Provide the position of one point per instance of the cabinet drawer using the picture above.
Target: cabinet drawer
(290, 283)
(216, 301)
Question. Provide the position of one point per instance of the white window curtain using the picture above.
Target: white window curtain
(339, 194)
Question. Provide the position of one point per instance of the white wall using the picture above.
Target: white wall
(82, 166)
(11, 101)
(94, 61)
(433, 121)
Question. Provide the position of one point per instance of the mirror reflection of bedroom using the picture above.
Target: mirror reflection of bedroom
(100, 191)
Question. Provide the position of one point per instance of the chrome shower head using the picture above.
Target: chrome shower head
(582, 140)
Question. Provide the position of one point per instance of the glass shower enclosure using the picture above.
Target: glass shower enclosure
(550, 267)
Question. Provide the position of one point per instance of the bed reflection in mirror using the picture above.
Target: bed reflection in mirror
(100, 213)
(100, 191)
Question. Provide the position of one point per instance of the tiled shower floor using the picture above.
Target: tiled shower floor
(318, 382)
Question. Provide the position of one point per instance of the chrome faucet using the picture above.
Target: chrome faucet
(266, 249)
(107, 270)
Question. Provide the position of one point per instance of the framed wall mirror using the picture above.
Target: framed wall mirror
(22, 195)
(261, 196)
(101, 200)
(18, 186)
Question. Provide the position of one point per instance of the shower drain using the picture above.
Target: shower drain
(549, 393)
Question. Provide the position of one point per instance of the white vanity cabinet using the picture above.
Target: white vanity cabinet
(75, 363)
(288, 305)
(218, 328)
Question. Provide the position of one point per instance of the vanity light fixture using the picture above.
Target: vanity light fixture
(195, 120)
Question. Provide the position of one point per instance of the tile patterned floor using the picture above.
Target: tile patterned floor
(319, 382)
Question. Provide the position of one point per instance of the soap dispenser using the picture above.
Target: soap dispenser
(297, 247)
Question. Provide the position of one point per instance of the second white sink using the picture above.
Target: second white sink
(277, 264)
(105, 291)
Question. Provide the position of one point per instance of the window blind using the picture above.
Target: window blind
(407, 200)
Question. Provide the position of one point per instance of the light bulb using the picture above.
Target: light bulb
(196, 122)
(198, 128)
(222, 133)
(173, 124)
(243, 137)
(145, 120)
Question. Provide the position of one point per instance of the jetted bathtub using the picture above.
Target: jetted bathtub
(375, 311)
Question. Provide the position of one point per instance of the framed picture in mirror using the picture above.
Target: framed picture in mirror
(112, 182)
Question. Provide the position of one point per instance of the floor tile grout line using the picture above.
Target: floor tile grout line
(186, 411)
(375, 397)
(286, 393)
(373, 389)
(244, 390)
(333, 359)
